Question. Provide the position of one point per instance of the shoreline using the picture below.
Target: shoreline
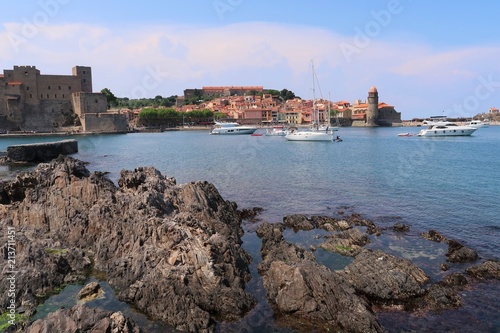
(70, 133)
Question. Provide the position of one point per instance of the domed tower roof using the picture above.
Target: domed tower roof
(373, 90)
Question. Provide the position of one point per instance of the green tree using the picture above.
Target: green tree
(287, 94)
(272, 92)
(112, 100)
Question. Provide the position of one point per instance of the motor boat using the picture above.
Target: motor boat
(478, 123)
(447, 128)
(232, 128)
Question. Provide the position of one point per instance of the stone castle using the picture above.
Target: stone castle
(31, 101)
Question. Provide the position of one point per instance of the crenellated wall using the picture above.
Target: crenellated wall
(30, 101)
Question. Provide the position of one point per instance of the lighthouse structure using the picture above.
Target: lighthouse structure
(372, 110)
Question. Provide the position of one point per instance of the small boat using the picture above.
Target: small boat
(447, 128)
(276, 131)
(405, 134)
(232, 129)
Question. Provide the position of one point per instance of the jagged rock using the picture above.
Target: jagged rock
(330, 223)
(456, 251)
(434, 236)
(400, 227)
(297, 222)
(90, 291)
(385, 278)
(307, 295)
(455, 279)
(250, 214)
(371, 228)
(174, 251)
(460, 253)
(439, 296)
(83, 319)
(348, 243)
(487, 270)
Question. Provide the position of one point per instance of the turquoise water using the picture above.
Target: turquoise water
(448, 184)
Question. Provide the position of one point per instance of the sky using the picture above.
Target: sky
(425, 57)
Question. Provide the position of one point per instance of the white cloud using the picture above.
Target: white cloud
(273, 55)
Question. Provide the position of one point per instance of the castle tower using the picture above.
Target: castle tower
(85, 75)
(372, 111)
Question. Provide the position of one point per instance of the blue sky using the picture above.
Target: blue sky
(425, 57)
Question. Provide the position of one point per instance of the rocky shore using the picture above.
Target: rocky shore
(174, 253)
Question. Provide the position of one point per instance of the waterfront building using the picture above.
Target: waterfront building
(373, 113)
(31, 101)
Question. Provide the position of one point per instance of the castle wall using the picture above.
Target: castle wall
(57, 87)
(389, 117)
(89, 103)
(48, 116)
(104, 122)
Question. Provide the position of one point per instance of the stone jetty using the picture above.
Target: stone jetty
(41, 152)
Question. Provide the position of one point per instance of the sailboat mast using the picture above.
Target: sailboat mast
(315, 120)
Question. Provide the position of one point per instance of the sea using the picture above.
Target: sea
(448, 184)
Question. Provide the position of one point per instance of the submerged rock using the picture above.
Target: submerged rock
(172, 250)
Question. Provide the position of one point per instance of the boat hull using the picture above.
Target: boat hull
(233, 131)
(463, 131)
(309, 136)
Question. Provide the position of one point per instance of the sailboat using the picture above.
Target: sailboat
(317, 133)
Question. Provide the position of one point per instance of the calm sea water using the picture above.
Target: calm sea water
(447, 184)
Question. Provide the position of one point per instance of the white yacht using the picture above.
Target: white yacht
(232, 128)
(478, 123)
(447, 128)
(294, 134)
